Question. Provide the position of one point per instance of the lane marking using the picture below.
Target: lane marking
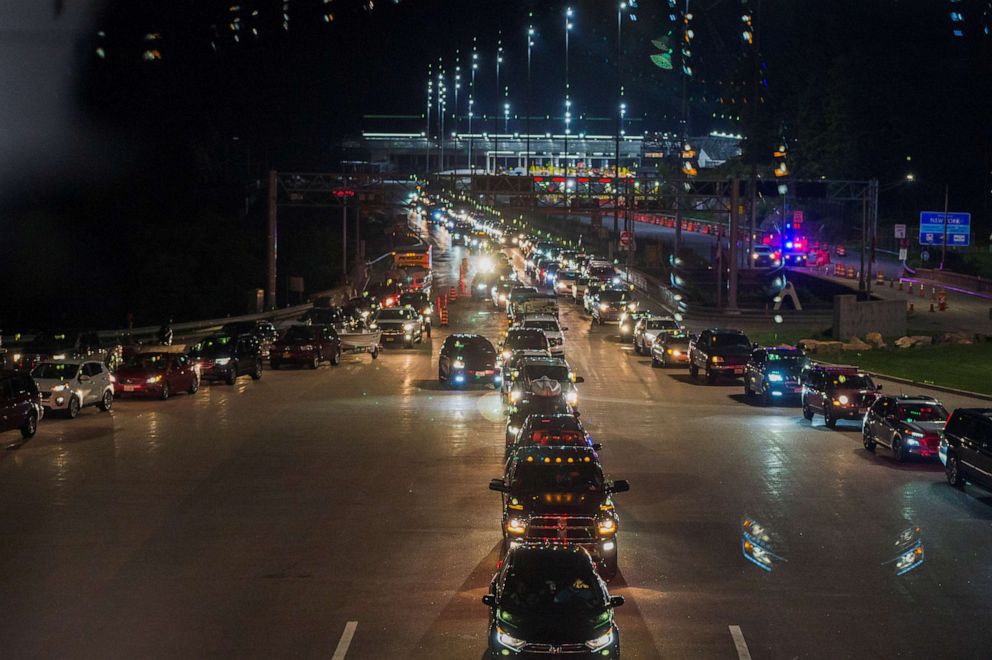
(739, 643)
(349, 632)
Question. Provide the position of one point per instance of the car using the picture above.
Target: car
(763, 256)
(966, 447)
(556, 430)
(527, 374)
(544, 397)
(610, 304)
(500, 292)
(648, 327)
(565, 280)
(400, 325)
(718, 352)
(517, 295)
(560, 496)
(226, 357)
(670, 348)
(600, 270)
(67, 386)
(482, 285)
(837, 392)
(264, 331)
(61, 345)
(549, 600)
(550, 326)
(306, 345)
(579, 287)
(549, 275)
(421, 302)
(468, 359)
(905, 425)
(20, 403)
(518, 338)
(774, 374)
(157, 374)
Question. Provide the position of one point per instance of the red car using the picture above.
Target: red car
(157, 374)
(307, 345)
(20, 403)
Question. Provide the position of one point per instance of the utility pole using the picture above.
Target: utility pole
(755, 102)
(620, 104)
(943, 243)
(471, 109)
(272, 239)
(430, 101)
(499, 60)
(530, 45)
(732, 241)
(873, 237)
(864, 238)
(344, 237)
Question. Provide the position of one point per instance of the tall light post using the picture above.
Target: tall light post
(441, 107)
(430, 102)
(568, 102)
(499, 61)
(623, 107)
(471, 108)
(458, 85)
(530, 45)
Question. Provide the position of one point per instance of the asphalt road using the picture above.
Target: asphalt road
(344, 513)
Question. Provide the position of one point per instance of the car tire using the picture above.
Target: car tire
(953, 472)
(256, 373)
(766, 397)
(807, 413)
(868, 440)
(30, 426)
(655, 363)
(232, 375)
(748, 392)
(107, 401)
(693, 370)
(440, 375)
(829, 421)
(375, 352)
(710, 377)
(608, 567)
(898, 450)
(72, 410)
(274, 365)
(194, 387)
(336, 358)
(315, 362)
(166, 391)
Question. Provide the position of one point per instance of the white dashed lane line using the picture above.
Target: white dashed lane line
(342, 650)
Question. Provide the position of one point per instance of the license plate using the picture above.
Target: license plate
(738, 370)
(128, 388)
(862, 411)
(797, 390)
(287, 355)
(389, 339)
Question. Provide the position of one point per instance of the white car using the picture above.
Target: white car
(66, 386)
(647, 330)
(552, 330)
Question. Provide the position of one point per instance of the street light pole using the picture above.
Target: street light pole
(568, 102)
(616, 155)
(943, 243)
(530, 45)
(430, 101)
(471, 109)
(499, 61)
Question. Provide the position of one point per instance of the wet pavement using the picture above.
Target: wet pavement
(259, 520)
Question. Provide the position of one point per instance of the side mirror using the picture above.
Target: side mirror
(597, 446)
(615, 601)
(564, 329)
(498, 485)
(620, 486)
(490, 600)
(580, 379)
(755, 344)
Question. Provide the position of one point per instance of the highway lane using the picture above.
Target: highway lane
(259, 520)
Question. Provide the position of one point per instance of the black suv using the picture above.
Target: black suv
(223, 357)
(468, 359)
(905, 425)
(548, 600)
(20, 403)
(718, 352)
(559, 496)
(837, 392)
(966, 447)
(264, 331)
(774, 374)
(59, 346)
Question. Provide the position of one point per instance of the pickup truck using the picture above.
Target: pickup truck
(719, 352)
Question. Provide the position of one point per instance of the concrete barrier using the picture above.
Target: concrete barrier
(854, 318)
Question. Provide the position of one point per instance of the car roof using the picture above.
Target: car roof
(538, 317)
(915, 398)
(537, 360)
(540, 452)
(978, 412)
(725, 331)
(75, 361)
(564, 419)
(531, 557)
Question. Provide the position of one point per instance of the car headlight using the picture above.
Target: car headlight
(510, 641)
(60, 388)
(516, 526)
(515, 395)
(506, 354)
(572, 398)
(481, 287)
(843, 400)
(625, 328)
(502, 297)
(408, 327)
(306, 347)
(512, 430)
(607, 526)
(775, 378)
(154, 379)
(600, 642)
(603, 307)
(222, 361)
(17, 357)
(60, 356)
(716, 359)
(458, 364)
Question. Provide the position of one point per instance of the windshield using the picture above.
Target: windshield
(55, 371)
(920, 412)
(212, 346)
(525, 340)
(786, 357)
(855, 382)
(542, 325)
(613, 296)
(729, 340)
(155, 362)
(535, 371)
(540, 477)
(548, 591)
(600, 271)
(661, 325)
(414, 300)
(298, 333)
(478, 347)
(394, 315)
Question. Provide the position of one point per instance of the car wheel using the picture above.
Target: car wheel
(194, 387)
(867, 439)
(608, 568)
(710, 377)
(315, 362)
(807, 413)
(30, 426)
(693, 371)
(829, 421)
(655, 363)
(107, 402)
(375, 352)
(898, 450)
(73, 408)
(256, 374)
(440, 374)
(748, 392)
(953, 472)
(336, 358)
(232, 375)
(766, 397)
(164, 395)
